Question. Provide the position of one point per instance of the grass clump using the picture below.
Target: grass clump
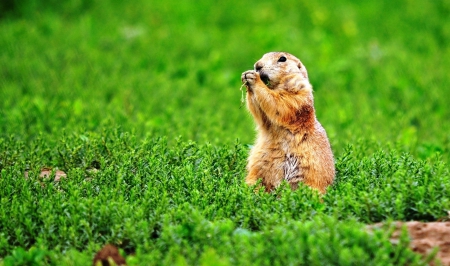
(188, 203)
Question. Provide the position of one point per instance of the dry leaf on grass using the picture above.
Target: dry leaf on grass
(108, 254)
(46, 172)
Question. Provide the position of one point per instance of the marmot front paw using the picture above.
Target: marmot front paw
(249, 77)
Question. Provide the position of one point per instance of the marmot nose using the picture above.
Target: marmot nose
(258, 66)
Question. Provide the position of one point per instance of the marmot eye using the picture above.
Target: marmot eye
(282, 59)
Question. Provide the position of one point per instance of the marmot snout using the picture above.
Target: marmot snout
(291, 144)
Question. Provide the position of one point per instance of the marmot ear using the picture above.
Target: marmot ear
(302, 70)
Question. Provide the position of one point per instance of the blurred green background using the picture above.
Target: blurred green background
(172, 68)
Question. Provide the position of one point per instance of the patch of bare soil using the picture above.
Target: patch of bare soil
(425, 237)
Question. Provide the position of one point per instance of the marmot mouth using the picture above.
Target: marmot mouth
(264, 77)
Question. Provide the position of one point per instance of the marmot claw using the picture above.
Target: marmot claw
(249, 77)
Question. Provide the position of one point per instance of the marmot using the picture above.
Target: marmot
(291, 144)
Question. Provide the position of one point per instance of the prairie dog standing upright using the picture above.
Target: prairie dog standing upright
(291, 144)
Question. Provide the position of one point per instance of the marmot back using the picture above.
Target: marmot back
(291, 144)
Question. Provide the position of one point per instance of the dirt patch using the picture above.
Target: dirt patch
(424, 237)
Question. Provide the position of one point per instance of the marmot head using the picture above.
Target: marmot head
(275, 67)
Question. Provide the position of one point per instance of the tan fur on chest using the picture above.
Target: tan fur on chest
(291, 144)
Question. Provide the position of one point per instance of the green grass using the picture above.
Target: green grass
(139, 104)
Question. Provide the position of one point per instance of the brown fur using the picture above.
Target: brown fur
(291, 144)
